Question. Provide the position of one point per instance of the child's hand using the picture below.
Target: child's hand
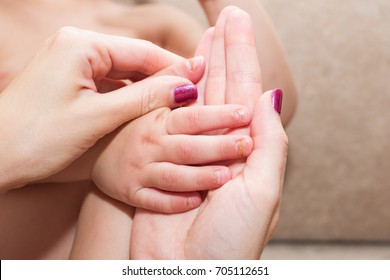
(152, 161)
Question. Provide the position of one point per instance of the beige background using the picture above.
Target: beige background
(337, 187)
(338, 173)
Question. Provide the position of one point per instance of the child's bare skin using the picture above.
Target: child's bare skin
(234, 221)
(158, 161)
(24, 25)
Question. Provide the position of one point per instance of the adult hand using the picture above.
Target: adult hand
(271, 54)
(235, 221)
(55, 110)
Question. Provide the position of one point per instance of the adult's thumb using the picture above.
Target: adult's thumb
(137, 99)
(267, 161)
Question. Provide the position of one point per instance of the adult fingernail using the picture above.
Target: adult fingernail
(185, 93)
(276, 99)
(196, 62)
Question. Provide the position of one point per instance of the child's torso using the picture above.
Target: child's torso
(23, 30)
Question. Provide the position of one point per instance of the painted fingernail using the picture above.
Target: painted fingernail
(185, 93)
(196, 62)
(220, 177)
(277, 98)
(243, 147)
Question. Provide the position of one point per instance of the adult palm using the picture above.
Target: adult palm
(235, 221)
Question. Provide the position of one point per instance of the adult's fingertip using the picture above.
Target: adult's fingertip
(276, 100)
(272, 99)
(266, 117)
(137, 99)
(185, 93)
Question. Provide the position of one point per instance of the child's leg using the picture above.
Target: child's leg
(103, 229)
(39, 221)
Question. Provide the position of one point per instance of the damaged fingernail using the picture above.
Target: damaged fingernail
(220, 177)
(242, 116)
(243, 147)
(196, 62)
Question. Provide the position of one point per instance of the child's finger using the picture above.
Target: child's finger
(191, 69)
(202, 149)
(166, 202)
(182, 178)
(200, 119)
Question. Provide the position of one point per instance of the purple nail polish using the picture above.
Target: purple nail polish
(276, 99)
(185, 93)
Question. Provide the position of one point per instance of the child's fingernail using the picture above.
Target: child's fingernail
(243, 147)
(189, 202)
(276, 98)
(185, 93)
(220, 177)
(196, 62)
(243, 116)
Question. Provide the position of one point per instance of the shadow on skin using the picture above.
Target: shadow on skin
(39, 221)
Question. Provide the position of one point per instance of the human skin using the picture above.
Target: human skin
(234, 221)
(26, 24)
(62, 111)
(160, 162)
(166, 27)
(272, 57)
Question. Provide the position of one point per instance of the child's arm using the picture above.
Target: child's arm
(274, 66)
(183, 32)
(103, 228)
